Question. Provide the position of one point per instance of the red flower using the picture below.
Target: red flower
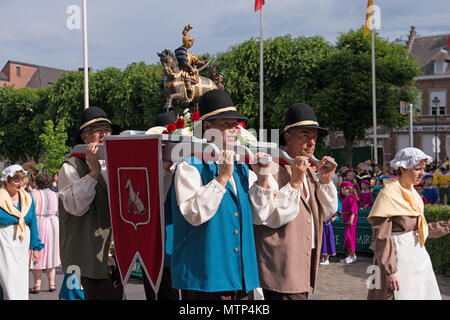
(180, 123)
(195, 116)
(242, 124)
(171, 127)
(165, 132)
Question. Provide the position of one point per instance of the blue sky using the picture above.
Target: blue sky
(122, 32)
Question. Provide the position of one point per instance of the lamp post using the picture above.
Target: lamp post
(436, 103)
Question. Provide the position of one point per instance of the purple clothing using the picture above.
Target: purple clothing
(349, 207)
(365, 199)
(328, 245)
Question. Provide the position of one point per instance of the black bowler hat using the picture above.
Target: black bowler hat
(94, 116)
(217, 104)
(301, 115)
(163, 119)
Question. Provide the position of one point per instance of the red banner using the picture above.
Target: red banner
(259, 4)
(136, 203)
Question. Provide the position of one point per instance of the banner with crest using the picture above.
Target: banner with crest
(136, 203)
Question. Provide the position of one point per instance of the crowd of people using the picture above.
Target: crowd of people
(233, 231)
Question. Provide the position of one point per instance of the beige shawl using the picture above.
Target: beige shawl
(394, 200)
(25, 204)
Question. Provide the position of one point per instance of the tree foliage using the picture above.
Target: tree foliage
(53, 146)
(343, 95)
(290, 65)
(17, 109)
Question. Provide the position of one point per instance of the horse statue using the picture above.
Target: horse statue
(174, 84)
(133, 198)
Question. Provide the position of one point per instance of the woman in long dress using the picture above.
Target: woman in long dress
(404, 269)
(46, 205)
(18, 234)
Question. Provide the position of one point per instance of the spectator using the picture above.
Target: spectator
(350, 219)
(419, 189)
(46, 206)
(349, 175)
(377, 171)
(361, 174)
(365, 196)
(387, 170)
(368, 167)
(328, 243)
(376, 191)
(54, 186)
(429, 192)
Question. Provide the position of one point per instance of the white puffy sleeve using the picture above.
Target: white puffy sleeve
(197, 203)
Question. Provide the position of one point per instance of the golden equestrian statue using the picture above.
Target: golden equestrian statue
(182, 80)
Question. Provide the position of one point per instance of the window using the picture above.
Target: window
(438, 101)
(439, 66)
(418, 105)
(17, 71)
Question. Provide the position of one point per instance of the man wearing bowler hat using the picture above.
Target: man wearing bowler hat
(288, 255)
(214, 205)
(84, 216)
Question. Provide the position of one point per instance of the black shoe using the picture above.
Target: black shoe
(51, 288)
(35, 290)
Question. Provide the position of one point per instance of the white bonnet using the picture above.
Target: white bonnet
(409, 157)
(11, 171)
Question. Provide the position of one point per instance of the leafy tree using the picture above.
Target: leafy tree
(137, 97)
(53, 146)
(343, 96)
(290, 65)
(17, 109)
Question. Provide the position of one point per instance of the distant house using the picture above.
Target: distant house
(433, 118)
(21, 75)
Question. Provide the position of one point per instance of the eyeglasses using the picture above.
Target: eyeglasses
(100, 131)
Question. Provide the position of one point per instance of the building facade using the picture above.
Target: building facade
(21, 75)
(431, 128)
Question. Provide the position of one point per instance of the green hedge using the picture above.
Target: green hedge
(439, 249)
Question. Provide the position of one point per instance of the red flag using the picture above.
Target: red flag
(259, 4)
(136, 204)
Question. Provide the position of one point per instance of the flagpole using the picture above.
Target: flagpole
(85, 51)
(374, 100)
(261, 78)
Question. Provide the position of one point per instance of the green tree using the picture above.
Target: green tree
(18, 107)
(137, 97)
(343, 96)
(290, 66)
(53, 146)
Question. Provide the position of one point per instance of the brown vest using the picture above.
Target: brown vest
(285, 259)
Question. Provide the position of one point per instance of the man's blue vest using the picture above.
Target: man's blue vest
(218, 255)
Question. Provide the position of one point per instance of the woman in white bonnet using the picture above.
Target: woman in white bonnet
(399, 234)
(18, 234)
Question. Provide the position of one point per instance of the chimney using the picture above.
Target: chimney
(412, 36)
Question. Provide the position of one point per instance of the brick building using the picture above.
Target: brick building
(433, 113)
(20, 75)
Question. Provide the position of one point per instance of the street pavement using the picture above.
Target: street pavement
(336, 281)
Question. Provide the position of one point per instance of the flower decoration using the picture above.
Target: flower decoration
(245, 136)
(180, 123)
(195, 116)
(184, 125)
